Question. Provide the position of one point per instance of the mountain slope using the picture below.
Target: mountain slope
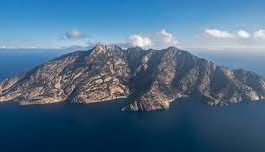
(152, 78)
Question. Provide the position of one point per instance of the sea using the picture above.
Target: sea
(188, 126)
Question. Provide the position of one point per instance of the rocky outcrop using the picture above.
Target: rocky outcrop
(152, 78)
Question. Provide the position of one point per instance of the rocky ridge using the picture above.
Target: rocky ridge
(153, 78)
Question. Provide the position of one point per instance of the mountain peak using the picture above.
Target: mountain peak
(173, 48)
(101, 46)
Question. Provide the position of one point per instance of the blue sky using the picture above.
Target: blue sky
(209, 24)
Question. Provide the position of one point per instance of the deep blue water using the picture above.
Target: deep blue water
(15, 61)
(187, 126)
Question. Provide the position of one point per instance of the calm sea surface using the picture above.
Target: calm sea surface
(187, 126)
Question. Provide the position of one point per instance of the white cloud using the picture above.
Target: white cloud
(164, 39)
(221, 34)
(157, 40)
(218, 33)
(74, 34)
(259, 34)
(237, 39)
(138, 40)
(168, 38)
(243, 34)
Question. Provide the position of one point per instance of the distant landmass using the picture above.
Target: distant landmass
(150, 79)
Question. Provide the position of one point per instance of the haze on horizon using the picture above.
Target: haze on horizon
(208, 25)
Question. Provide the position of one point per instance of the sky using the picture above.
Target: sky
(202, 24)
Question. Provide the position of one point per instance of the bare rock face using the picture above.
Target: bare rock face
(153, 78)
(90, 76)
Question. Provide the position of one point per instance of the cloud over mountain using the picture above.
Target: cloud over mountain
(159, 39)
(74, 34)
(211, 38)
(138, 40)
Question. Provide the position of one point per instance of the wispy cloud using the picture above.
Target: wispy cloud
(259, 34)
(74, 35)
(222, 34)
(216, 39)
(215, 33)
